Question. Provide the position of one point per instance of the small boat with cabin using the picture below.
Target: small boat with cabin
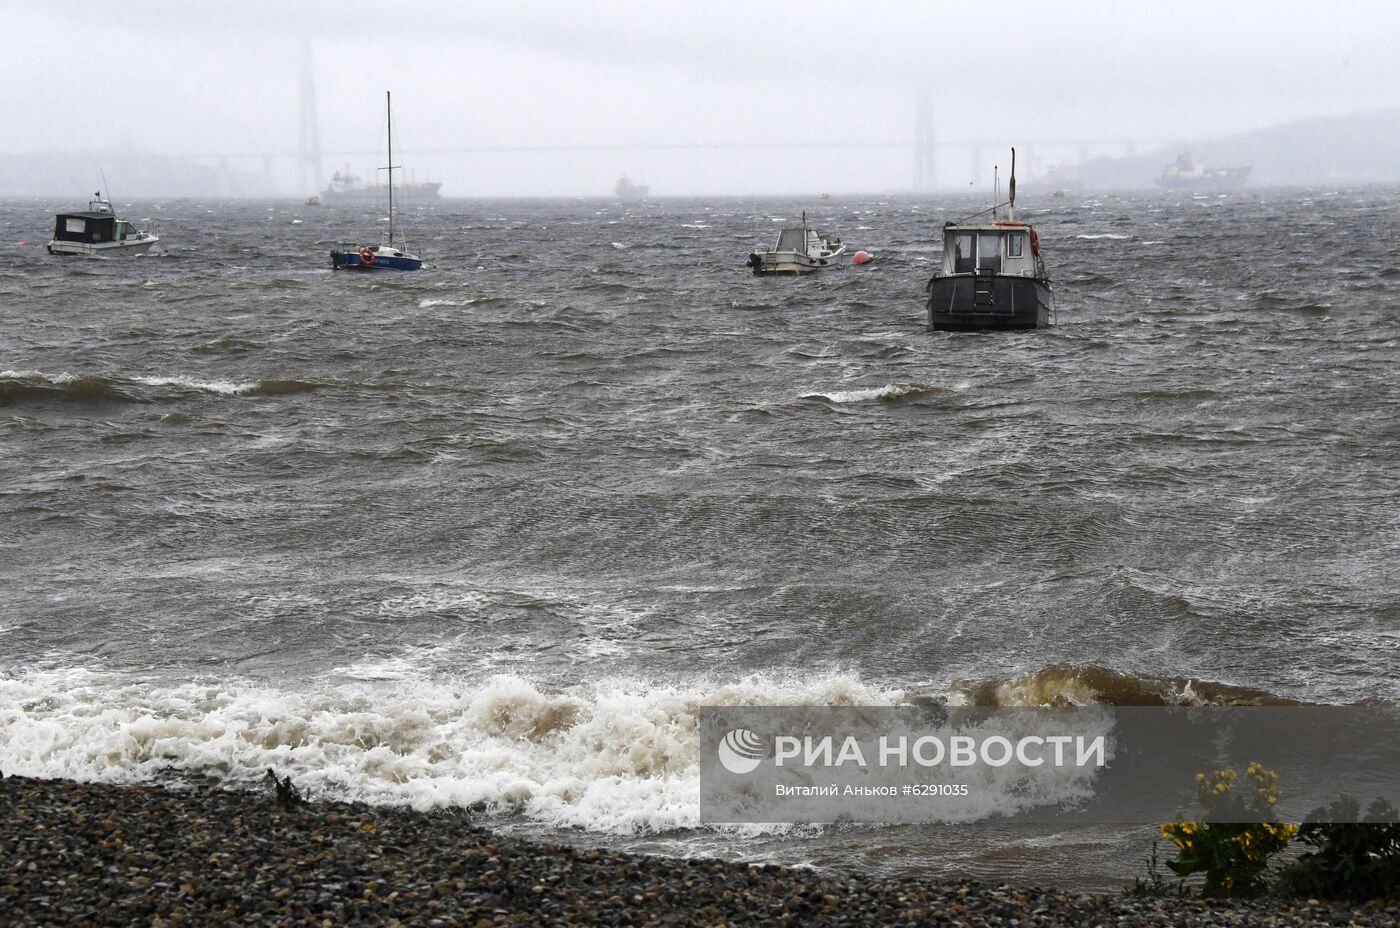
(387, 255)
(992, 275)
(797, 251)
(97, 232)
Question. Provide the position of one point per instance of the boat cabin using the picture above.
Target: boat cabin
(1005, 247)
(804, 241)
(91, 228)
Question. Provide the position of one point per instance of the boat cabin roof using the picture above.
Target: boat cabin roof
(797, 238)
(86, 215)
(999, 225)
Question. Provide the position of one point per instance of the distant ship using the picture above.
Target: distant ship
(346, 188)
(1189, 174)
(626, 190)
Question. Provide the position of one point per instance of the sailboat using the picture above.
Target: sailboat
(388, 255)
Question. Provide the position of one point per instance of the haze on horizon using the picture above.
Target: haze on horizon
(181, 79)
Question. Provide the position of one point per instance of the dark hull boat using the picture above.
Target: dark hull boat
(992, 275)
(964, 302)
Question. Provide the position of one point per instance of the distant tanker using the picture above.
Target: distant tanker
(626, 190)
(346, 188)
(1189, 174)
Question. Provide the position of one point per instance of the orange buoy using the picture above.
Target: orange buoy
(863, 257)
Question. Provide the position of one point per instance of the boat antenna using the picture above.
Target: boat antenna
(996, 188)
(103, 172)
(1011, 189)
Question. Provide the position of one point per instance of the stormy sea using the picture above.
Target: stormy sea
(486, 535)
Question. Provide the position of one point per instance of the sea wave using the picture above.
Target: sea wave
(19, 386)
(1094, 684)
(889, 393)
(614, 755)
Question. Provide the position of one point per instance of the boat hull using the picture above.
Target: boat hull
(102, 249)
(967, 302)
(1215, 183)
(350, 261)
(792, 262)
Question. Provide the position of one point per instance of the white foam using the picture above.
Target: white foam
(612, 756)
(1112, 235)
(429, 302)
(890, 391)
(36, 376)
(224, 387)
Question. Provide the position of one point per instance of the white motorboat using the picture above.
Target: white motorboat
(798, 250)
(98, 232)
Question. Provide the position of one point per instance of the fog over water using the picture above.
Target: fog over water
(170, 78)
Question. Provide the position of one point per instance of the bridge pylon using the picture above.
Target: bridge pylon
(925, 172)
(309, 135)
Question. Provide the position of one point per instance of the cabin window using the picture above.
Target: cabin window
(989, 252)
(1015, 244)
(74, 225)
(964, 257)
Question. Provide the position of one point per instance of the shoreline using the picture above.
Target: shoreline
(94, 854)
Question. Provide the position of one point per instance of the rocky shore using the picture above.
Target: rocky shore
(83, 854)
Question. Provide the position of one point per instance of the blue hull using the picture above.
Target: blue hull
(350, 260)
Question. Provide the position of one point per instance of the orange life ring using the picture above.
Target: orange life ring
(1035, 242)
(367, 256)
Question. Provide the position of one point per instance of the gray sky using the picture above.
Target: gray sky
(210, 78)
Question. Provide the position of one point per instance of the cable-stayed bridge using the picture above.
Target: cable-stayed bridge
(944, 162)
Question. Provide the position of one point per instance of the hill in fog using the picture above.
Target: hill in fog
(1360, 148)
(131, 174)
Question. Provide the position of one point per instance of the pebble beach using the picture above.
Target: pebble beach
(87, 854)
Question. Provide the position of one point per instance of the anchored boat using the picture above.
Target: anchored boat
(797, 251)
(386, 256)
(98, 232)
(992, 276)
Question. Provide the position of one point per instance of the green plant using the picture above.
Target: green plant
(1233, 842)
(1354, 857)
(1155, 886)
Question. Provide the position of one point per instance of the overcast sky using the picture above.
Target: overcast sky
(224, 78)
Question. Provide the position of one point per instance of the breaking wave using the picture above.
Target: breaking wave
(615, 756)
(889, 393)
(20, 386)
(1092, 684)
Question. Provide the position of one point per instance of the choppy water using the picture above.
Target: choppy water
(490, 532)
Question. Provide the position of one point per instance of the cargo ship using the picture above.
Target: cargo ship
(626, 190)
(346, 188)
(1189, 174)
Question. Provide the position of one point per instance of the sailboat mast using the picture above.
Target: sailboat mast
(389, 115)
